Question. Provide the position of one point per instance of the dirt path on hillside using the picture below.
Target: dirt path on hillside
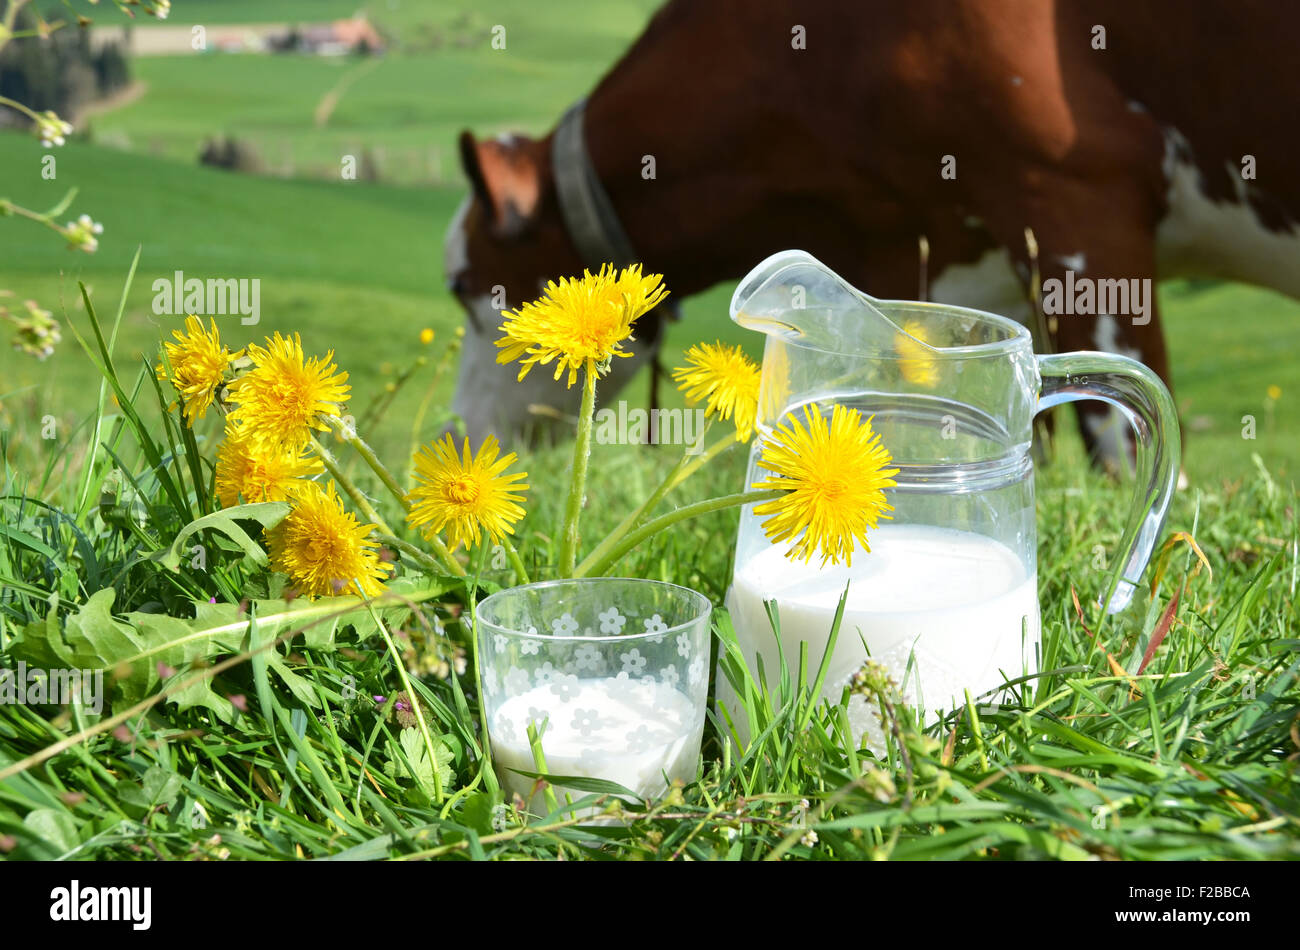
(325, 108)
(123, 97)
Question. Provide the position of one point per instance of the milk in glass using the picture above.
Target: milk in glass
(640, 734)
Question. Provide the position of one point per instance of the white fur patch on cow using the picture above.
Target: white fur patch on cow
(989, 284)
(1106, 338)
(1077, 262)
(455, 245)
(1225, 239)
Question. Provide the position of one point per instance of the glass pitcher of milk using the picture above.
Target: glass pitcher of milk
(947, 597)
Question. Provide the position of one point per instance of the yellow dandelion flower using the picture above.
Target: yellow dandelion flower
(196, 364)
(1274, 392)
(323, 548)
(727, 379)
(426, 335)
(245, 472)
(833, 477)
(285, 396)
(917, 364)
(579, 323)
(465, 495)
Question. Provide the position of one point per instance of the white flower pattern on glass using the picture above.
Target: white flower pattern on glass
(546, 673)
(655, 625)
(620, 682)
(683, 644)
(504, 725)
(517, 680)
(696, 671)
(611, 621)
(587, 657)
(639, 739)
(633, 661)
(565, 686)
(490, 680)
(585, 721)
(670, 675)
(529, 647)
(499, 641)
(564, 626)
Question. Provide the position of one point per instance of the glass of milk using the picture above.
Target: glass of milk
(947, 597)
(611, 672)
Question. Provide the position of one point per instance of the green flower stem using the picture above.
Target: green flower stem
(415, 705)
(8, 207)
(696, 462)
(348, 435)
(368, 455)
(353, 492)
(671, 518)
(685, 467)
(6, 101)
(521, 572)
(578, 484)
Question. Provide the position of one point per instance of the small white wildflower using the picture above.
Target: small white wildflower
(81, 234)
(50, 129)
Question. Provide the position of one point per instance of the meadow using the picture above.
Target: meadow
(1192, 757)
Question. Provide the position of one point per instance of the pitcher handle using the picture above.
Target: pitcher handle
(1142, 398)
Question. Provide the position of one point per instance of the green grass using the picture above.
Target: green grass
(1198, 763)
(1195, 758)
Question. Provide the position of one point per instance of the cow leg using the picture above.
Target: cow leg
(1084, 231)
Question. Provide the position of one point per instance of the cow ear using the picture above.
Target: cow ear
(506, 179)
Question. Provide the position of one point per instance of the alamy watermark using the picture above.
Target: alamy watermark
(76, 902)
(180, 295)
(32, 686)
(624, 426)
(1085, 295)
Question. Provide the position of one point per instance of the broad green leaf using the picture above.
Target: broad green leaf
(265, 513)
(55, 828)
(412, 744)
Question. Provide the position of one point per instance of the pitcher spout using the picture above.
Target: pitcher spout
(795, 296)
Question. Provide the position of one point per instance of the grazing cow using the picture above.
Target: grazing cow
(1133, 140)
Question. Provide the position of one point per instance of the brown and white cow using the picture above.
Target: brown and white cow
(1135, 140)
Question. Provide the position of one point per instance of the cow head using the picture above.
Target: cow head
(505, 242)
